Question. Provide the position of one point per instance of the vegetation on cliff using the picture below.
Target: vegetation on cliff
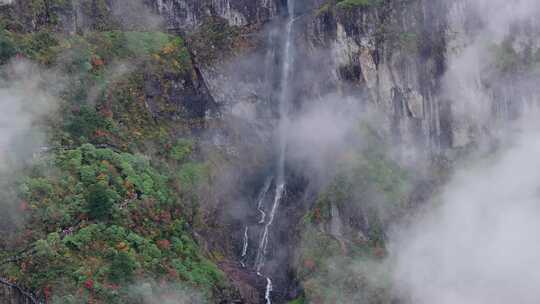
(106, 212)
(348, 4)
(105, 222)
(344, 231)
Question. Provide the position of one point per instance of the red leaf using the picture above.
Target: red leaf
(89, 284)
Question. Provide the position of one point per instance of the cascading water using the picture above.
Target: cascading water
(268, 293)
(261, 197)
(260, 208)
(245, 246)
(246, 240)
(261, 252)
(267, 219)
(284, 99)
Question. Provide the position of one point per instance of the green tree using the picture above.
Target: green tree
(122, 268)
(7, 47)
(100, 200)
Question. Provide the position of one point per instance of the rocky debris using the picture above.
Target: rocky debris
(245, 280)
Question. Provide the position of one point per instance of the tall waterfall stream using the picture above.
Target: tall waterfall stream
(267, 218)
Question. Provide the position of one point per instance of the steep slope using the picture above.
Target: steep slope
(127, 93)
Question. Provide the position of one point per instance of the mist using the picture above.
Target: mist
(479, 244)
(476, 241)
(489, 43)
(322, 132)
(150, 293)
(136, 15)
(27, 98)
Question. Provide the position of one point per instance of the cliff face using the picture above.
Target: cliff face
(391, 55)
(397, 56)
(189, 14)
(394, 55)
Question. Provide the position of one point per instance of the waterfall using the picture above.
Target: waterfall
(261, 252)
(261, 197)
(246, 240)
(280, 184)
(267, 217)
(268, 292)
(245, 246)
(285, 95)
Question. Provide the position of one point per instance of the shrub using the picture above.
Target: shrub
(122, 268)
(349, 4)
(100, 200)
(86, 123)
(181, 150)
(7, 47)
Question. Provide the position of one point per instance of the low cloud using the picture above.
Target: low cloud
(136, 15)
(149, 293)
(27, 98)
(476, 242)
(319, 134)
(479, 244)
